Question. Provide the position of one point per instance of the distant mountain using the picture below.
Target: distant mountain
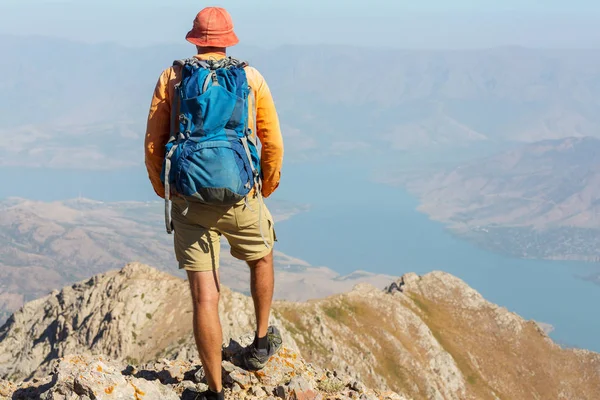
(540, 200)
(63, 242)
(428, 337)
(84, 106)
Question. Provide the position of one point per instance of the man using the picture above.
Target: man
(198, 227)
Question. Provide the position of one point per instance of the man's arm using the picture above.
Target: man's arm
(158, 131)
(269, 133)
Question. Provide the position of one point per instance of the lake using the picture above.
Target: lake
(355, 224)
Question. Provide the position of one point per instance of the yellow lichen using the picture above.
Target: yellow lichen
(138, 393)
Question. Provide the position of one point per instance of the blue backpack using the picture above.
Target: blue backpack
(212, 156)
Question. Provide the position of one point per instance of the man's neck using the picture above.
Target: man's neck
(221, 51)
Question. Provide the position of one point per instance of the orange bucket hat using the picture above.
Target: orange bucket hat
(213, 27)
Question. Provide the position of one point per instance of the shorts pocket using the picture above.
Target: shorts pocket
(272, 230)
(247, 213)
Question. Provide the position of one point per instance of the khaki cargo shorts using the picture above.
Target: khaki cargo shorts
(197, 236)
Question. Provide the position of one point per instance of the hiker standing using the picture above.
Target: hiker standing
(202, 156)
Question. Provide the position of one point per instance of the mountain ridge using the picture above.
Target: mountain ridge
(429, 99)
(428, 336)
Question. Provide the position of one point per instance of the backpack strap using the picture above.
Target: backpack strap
(252, 109)
(248, 136)
(174, 136)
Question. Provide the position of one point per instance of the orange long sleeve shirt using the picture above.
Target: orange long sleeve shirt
(267, 127)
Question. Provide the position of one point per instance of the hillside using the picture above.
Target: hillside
(415, 100)
(540, 200)
(63, 242)
(429, 337)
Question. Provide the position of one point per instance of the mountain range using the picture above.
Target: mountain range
(423, 337)
(60, 243)
(540, 200)
(91, 100)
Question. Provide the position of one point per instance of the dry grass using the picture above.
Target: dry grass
(496, 361)
(366, 321)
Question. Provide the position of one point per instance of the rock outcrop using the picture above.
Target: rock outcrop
(134, 314)
(286, 376)
(429, 337)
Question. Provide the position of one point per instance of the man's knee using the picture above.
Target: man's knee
(204, 287)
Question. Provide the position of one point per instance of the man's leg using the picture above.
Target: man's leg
(251, 235)
(207, 326)
(262, 284)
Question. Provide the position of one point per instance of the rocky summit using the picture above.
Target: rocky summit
(127, 334)
(287, 376)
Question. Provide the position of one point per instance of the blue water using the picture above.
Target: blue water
(356, 224)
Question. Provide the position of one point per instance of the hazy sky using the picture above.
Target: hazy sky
(388, 23)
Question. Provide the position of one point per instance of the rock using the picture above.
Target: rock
(258, 392)
(368, 397)
(358, 386)
(185, 385)
(300, 389)
(300, 384)
(173, 371)
(228, 367)
(242, 378)
(394, 287)
(306, 395)
(6, 389)
(202, 387)
(93, 377)
(152, 390)
(281, 392)
(236, 388)
(200, 375)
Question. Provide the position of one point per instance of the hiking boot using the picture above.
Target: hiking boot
(210, 395)
(189, 394)
(253, 358)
